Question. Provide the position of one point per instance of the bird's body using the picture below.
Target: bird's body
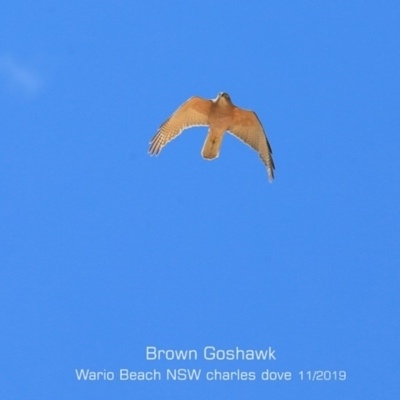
(221, 116)
(219, 120)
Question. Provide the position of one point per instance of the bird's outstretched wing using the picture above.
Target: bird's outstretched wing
(194, 112)
(247, 127)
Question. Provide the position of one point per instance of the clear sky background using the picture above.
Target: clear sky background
(106, 250)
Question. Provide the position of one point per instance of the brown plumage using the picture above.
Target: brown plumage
(221, 116)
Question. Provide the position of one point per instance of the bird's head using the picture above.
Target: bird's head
(224, 97)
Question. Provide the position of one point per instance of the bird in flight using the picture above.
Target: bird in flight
(221, 115)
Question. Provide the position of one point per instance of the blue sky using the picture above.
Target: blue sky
(105, 250)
